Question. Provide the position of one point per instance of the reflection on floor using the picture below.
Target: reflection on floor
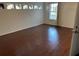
(40, 40)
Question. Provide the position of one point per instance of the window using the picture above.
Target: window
(30, 6)
(10, 6)
(1, 6)
(53, 11)
(36, 7)
(18, 6)
(40, 7)
(25, 6)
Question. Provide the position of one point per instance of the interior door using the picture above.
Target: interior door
(75, 40)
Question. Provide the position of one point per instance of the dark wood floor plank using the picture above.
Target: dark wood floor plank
(43, 40)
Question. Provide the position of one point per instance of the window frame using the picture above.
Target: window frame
(8, 4)
(52, 11)
(18, 4)
(34, 6)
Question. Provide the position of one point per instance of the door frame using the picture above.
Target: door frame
(73, 47)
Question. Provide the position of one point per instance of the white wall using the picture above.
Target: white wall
(67, 13)
(14, 20)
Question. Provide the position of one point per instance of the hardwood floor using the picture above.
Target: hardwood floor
(43, 40)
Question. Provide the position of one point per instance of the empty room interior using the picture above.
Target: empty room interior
(39, 28)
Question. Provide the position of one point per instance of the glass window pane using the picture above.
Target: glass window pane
(53, 7)
(10, 6)
(52, 16)
(36, 7)
(1, 6)
(30, 6)
(40, 7)
(53, 11)
(18, 6)
(25, 7)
